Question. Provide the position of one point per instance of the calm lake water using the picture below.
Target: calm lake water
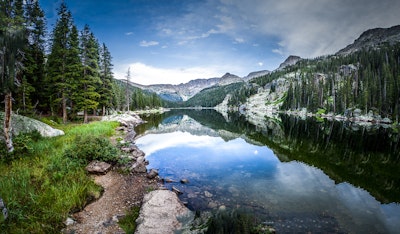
(297, 175)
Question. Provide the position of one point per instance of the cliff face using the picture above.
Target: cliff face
(291, 60)
(373, 38)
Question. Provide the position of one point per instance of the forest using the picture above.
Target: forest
(66, 73)
(368, 80)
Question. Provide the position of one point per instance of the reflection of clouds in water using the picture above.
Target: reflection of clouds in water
(155, 142)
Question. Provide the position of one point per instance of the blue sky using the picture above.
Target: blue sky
(174, 41)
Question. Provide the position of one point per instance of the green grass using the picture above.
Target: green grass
(128, 223)
(41, 186)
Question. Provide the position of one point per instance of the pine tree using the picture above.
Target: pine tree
(12, 43)
(74, 68)
(106, 77)
(127, 91)
(30, 93)
(87, 98)
(57, 62)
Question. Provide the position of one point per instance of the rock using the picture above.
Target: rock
(207, 194)
(22, 124)
(138, 168)
(69, 222)
(136, 152)
(127, 120)
(140, 160)
(162, 212)
(120, 129)
(130, 137)
(152, 174)
(168, 180)
(357, 113)
(4, 211)
(184, 181)
(176, 190)
(97, 167)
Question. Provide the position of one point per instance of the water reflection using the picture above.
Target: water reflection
(227, 170)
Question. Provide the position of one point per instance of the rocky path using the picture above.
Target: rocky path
(121, 192)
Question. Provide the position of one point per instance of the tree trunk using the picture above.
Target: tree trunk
(85, 116)
(104, 111)
(7, 122)
(64, 108)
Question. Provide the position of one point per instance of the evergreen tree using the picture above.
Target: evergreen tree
(87, 97)
(57, 75)
(12, 43)
(30, 93)
(127, 90)
(106, 77)
(74, 68)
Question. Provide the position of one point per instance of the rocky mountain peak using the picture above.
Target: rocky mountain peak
(291, 60)
(229, 76)
(373, 38)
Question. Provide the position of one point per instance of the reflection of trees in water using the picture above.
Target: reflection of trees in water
(368, 157)
(364, 156)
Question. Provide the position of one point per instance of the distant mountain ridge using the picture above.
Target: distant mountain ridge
(373, 38)
(183, 92)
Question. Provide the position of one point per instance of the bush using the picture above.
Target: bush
(86, 148)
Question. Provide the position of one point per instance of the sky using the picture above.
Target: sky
(174, 41)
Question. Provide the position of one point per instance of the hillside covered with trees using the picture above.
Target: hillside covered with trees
(64, 73)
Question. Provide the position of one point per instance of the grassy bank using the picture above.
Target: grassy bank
(41, 185)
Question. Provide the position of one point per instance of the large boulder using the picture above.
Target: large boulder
(22, 124)
(162, 212)
(129, 120)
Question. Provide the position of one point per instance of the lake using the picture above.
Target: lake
(299, 175)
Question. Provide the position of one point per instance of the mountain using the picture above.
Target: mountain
(291, 60)
(256, 74)
(183, 92)
(373, 38)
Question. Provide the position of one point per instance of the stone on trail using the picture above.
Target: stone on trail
(162, 212)
(97, 167)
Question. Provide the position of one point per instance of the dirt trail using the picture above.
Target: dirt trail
(121, 192)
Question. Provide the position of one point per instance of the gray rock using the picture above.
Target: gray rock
(152, 174)
(176, 190)
(162, 212)
(207, 194)
(22, 124)
(4, 211)
(184, 181)
(130, 136)
(96, 167)
(139, 167)
(129, 120)
(69, 222)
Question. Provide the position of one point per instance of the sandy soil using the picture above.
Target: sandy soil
(121, 192)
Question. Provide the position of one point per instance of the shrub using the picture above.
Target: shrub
(86, 148)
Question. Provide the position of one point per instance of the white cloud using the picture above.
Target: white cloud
(277, 51)
(239, 40)
(129, 33)
(148, 43)
(146, 74)
(260, 64)
(312, 28)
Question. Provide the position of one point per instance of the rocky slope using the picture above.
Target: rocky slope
(183, 92)
(291, 60)
(373, 38)
(256, 74)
